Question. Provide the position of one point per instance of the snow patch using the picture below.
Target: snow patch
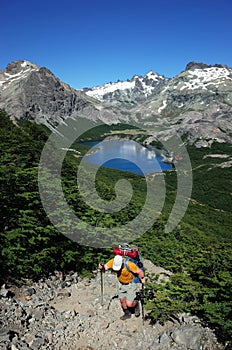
(154, 76)
(98, 92)
(163, 106)
(20, 75)
(202, 78)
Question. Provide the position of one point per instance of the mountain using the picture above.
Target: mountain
(197, 102)
(30, 92)
(127, 94)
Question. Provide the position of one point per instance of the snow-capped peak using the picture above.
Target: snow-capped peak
(146, 85)
(204, 78)
(210, 74)
(99, 91)
(153, 75)
(15, 71)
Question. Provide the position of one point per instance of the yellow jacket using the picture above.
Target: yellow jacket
(124, 276)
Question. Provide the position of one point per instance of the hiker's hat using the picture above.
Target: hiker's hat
(117, 264)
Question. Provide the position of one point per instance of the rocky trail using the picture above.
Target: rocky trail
(66, 313)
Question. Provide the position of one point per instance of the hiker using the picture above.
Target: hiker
(126, 287)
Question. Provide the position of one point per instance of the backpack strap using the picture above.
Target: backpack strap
(126, 260)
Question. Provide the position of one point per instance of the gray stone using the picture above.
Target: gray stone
(4, 293)
(188, 336)
(164, 338)
(4, 335)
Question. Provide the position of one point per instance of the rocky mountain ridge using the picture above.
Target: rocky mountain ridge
(129, 93)
(30, 92)
(197, 102)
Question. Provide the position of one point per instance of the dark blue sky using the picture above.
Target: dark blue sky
(88, 43)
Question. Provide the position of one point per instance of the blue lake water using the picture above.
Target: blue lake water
(126, 155)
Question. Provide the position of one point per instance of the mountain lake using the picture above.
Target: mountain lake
(126, 155)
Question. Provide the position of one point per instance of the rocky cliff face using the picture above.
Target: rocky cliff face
(197, 102)
(34, 93)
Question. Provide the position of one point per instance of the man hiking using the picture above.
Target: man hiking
(126, 271)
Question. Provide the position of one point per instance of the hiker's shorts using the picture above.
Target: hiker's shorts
(127, 291)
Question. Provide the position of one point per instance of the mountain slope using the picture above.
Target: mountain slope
(30, 92)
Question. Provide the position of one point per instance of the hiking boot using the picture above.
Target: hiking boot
(137, 310)
(126, 316)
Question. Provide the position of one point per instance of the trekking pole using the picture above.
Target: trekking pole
(102, 284)
(142, 302)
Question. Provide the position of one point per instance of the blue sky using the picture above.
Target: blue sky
(88, 43)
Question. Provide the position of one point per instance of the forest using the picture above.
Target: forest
(198, 251)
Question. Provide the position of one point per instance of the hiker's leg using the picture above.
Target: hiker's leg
(123, 303)
(131, 304)
(134, 307)
(122, 295)
(131, 295)
(126, 311)
(122, 298)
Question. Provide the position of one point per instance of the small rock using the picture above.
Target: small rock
(4, 293)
